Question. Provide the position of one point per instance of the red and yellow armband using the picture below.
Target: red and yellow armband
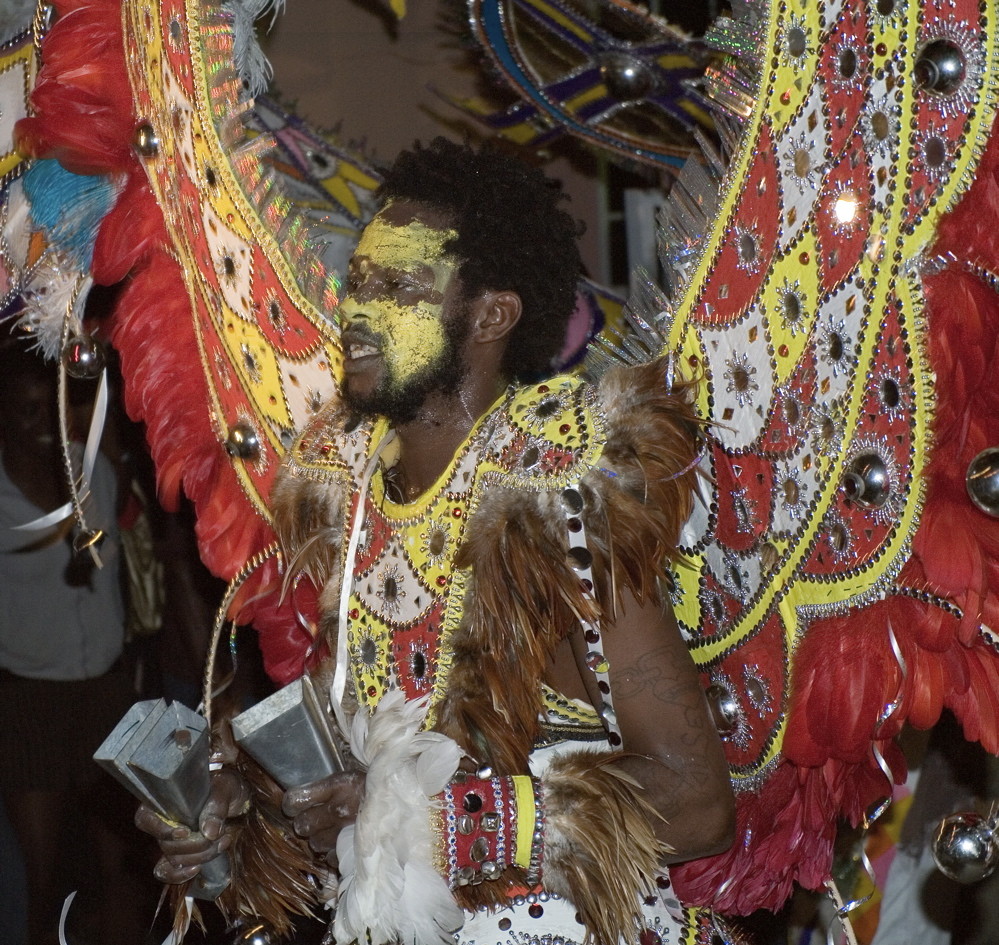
(488, 824)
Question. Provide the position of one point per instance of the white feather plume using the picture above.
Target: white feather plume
(390, 889)
(55, 291)
(53, 288)
(251, 63)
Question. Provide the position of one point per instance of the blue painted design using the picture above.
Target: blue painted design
(491, 18)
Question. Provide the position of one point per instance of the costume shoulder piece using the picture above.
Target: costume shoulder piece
(546, 554)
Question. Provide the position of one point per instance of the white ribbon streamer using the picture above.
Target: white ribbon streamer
(63, 916)
(94, 435)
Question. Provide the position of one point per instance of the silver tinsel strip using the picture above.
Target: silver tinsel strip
(739, 34)
(648, 318)
(685, 221)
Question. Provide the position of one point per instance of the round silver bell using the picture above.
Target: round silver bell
(724, 709)
(145, 140)
(627, 77)
(866, 481)
(88, 538)
(84, 358)
(940, 67)
(965, 847)
(258, 936)
(243, 441)
(982, 481)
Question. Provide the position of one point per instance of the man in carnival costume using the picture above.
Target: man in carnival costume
(490, 544)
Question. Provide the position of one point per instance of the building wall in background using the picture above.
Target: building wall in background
(341, 67)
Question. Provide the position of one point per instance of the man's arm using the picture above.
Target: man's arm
(675, 753)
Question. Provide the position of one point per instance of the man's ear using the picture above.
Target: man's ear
(497, 312)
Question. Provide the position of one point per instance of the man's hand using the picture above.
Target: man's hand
(185, 851)
(322, 809)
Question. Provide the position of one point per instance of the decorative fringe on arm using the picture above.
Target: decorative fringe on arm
(601, 851)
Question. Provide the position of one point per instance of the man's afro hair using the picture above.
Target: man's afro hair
(511, 235)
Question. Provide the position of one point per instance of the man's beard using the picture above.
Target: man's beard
(401, 401)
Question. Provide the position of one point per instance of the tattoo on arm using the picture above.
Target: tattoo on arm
(653, 676)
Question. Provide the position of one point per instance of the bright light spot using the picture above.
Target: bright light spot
(845, 208)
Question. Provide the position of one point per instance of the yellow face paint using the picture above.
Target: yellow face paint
(398, 279)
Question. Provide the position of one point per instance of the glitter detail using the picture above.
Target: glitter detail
(803, 169)
(791, 306)
(837, 538)
(740, 375)
(827, 425)
(795, 42)
(251, 363)
(390, 589)
(880, 126)
(757, 690)
(790, 498)
(735, 577)
(746, 518)
(748, 254)
(835, 346)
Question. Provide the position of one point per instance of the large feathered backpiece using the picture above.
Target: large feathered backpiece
(829, 268)
(222, 319)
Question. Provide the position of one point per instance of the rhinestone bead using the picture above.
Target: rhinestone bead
(472, 802)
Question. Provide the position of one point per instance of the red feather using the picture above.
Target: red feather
(84, 117)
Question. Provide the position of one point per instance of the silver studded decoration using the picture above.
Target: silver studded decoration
(965, 847)
(251, 932)
(867, 481)
(982, 481)
(627, 77)
(580, 560)
(940, 67)
(145, 140)
(724, 708)
(242, 441)
(88, 538)
(84, 358)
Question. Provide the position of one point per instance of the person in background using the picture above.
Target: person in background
(63, 682)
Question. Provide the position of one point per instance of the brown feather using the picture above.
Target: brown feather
(524, 597)
(309, 520)
(270, 865)
(309, 498)
(601, 851)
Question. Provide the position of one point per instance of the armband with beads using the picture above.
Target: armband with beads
(490, 823)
